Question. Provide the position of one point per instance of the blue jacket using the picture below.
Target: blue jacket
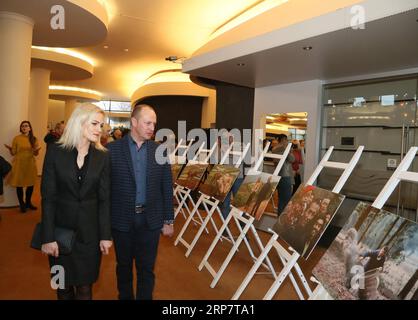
(159, 192)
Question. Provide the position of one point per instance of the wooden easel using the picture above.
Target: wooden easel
(244, 223)
(176, 158)
(289, 257)
(211, 205)
(183, 194)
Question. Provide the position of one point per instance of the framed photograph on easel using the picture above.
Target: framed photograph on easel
(374, 257)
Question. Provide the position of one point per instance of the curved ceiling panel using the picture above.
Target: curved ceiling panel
(62, 66)
(82, 95)
(84, 22)
(169, 88)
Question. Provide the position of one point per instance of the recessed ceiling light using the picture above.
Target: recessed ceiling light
(106, 47)
(307, 48)
(126, 50)
(240, 64)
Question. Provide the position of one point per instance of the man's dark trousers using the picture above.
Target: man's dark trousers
(139, 244)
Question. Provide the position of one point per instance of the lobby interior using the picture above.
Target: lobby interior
(214, 64)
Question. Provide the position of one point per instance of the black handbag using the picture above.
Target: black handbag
(63, 236)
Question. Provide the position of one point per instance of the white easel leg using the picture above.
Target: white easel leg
(186, 224)
(204, 261)
(200, 231)
(254, 269)
(282, 276)
(229, 256)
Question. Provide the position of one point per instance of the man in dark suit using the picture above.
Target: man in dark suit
(141, 204)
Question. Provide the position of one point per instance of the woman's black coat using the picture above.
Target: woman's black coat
(85, 209)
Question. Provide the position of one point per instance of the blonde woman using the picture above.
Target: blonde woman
(24, 173)
(75, 195)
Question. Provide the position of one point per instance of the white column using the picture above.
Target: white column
(70, 105)
(38, 109)
(15, 55)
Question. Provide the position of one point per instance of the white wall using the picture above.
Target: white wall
(293, 97)
(56, 111)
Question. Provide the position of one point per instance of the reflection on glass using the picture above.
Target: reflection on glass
(114, 106)
(382, 116)
(370, 114)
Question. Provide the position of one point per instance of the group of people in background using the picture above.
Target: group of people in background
(108, 135)
(116, 194)
(291, 173)
(55, 134)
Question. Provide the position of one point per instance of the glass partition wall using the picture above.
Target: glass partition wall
(382, 116)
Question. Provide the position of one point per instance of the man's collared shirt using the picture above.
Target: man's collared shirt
(139, 163)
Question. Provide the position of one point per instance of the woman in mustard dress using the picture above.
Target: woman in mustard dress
(24, 149)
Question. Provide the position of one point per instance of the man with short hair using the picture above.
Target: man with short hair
(376, 260)
(316, 230)
(310, 213)
(141, 204)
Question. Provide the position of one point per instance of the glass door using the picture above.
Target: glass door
(382, 116)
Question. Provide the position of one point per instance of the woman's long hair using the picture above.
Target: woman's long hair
(73, 132)
(32, 138)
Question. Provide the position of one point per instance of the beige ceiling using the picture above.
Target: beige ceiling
(387, 44)
(62, 66)
(82, 17)
(151, 31)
